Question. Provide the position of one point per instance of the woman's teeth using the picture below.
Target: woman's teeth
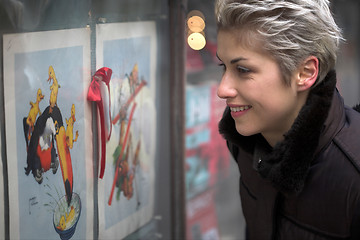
(239, 109)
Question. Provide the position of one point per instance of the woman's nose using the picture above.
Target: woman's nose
(226, 88)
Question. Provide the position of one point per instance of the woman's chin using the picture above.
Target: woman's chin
(245, 131)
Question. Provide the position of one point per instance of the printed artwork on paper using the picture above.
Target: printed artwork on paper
(48, 132)
(126, 194)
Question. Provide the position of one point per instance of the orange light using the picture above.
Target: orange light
(196, 24)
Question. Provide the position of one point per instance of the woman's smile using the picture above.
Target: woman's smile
(237, 111)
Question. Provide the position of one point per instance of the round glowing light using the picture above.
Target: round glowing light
(196, 41)
(196, 24)
(195, 13)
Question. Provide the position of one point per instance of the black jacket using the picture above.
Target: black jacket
(308, 185)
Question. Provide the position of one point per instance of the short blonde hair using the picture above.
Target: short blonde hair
(291, 30)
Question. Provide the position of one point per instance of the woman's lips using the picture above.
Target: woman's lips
(237, 111)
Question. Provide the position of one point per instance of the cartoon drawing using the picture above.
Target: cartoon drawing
(69, 128)
(65, 160)
(127, 192)
(66, 216)
(66, 219)
(34, 111)
(125, 172)
(46, 141)
(41, 154)
(54, 88)
(43, 168)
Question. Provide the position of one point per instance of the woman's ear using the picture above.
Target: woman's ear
(307, 73)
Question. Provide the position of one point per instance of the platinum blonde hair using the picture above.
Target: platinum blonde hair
(290, 30)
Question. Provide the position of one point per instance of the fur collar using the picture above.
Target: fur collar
(287, 164)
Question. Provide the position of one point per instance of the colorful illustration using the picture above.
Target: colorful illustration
(127, 199)
(125, 171)
(50, 175)
(34, 111)
(54, 88)
(43, 153)
(69, 129)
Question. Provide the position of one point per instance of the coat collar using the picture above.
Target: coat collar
(287, 164)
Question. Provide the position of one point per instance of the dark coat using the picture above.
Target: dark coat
(308, 185)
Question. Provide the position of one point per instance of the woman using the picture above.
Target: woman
(296, 144)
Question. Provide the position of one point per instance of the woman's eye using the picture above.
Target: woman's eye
(242, 69)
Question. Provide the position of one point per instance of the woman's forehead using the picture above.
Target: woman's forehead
(246, 40)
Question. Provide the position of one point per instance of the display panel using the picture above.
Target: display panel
(126, 194)
(48, 134)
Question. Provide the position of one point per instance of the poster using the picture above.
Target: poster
(126, 193)
(48, 134)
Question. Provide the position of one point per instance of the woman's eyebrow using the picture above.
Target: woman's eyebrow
(235, 60)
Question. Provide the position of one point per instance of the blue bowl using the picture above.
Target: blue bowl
(60, 210)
